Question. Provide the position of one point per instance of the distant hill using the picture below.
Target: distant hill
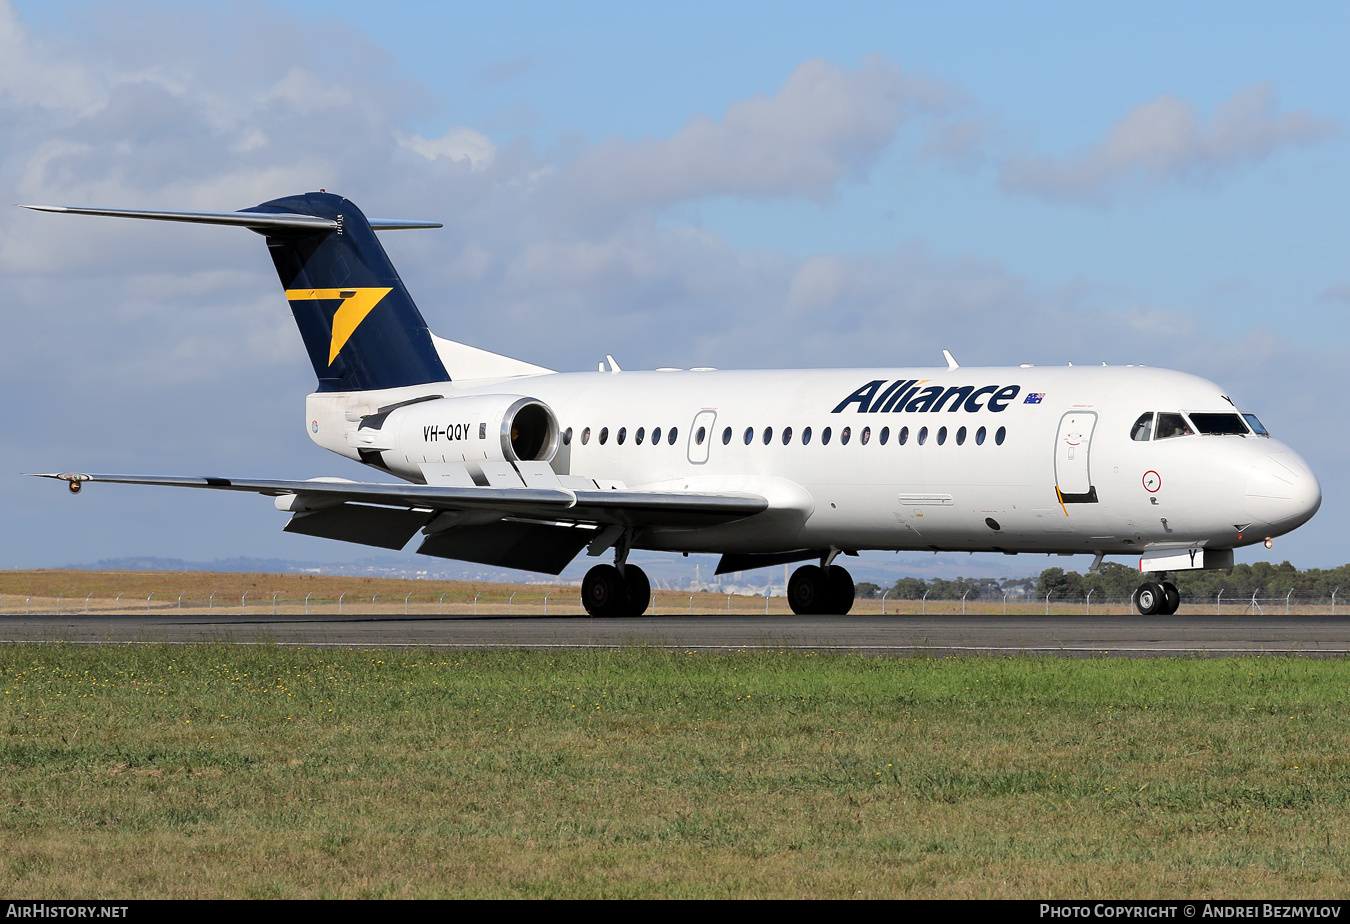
(666, 571)
(367, 567)
(148, 563)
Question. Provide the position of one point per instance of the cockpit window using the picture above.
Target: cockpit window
(1219, 424)
(1143, 428)
(1255, 424)
(1170, 425)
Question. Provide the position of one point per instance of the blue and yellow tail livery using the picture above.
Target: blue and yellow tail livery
(360, 327)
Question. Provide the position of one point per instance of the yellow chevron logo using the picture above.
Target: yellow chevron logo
(356, 304)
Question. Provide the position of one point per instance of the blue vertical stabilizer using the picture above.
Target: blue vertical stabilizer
(360, 326)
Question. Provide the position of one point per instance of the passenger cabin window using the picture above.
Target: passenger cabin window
(1219, 424)
(1256, 426)
(1143, 428)
(1170, 425)
(787, 435)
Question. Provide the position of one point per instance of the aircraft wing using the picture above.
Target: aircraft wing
(535, 528)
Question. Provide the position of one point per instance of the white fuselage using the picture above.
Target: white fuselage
(1065, 475)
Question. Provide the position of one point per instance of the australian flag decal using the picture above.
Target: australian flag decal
(1034, 398)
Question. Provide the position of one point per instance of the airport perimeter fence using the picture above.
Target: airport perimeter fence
(565, 600)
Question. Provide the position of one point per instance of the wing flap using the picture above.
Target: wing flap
(546, 548)
(382, 527)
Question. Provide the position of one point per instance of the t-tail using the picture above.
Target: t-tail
(360, 327)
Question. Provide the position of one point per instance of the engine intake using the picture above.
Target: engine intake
(529, 432)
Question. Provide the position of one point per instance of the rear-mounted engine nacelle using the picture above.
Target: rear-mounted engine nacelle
(513, 428)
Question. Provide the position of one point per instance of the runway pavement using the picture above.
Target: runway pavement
(1071, 636)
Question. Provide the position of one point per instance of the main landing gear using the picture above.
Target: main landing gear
(814, 590)
(608, 591)
(619, 589)
(1157, 599)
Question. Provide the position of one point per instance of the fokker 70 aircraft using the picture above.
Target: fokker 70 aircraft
(506, 463)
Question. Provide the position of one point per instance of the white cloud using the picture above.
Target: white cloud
(1336, 293)
(825, 123)
(1166, 139)
(461, 143)
(31, 74)
(306, 93)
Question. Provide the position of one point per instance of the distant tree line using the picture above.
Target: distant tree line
(941, 589)
(1116, 581)
(1238, 582)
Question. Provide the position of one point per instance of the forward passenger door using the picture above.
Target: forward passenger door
(1073, 444)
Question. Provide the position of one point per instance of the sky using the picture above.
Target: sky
(730, 185)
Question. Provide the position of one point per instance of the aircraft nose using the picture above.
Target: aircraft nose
(1282, 492)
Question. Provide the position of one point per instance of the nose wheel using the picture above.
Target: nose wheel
(1173, 597)
(1157, 599)
(606, 592)
(813, 590)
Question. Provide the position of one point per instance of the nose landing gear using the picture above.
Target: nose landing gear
(1156, 598)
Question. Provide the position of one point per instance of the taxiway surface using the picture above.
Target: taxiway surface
(1072, 636)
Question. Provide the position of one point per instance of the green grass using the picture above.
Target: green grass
(279, 772)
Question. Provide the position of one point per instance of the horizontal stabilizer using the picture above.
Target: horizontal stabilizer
(257, 221)
(360, 326)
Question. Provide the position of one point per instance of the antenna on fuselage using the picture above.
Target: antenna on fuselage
(951, 360)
